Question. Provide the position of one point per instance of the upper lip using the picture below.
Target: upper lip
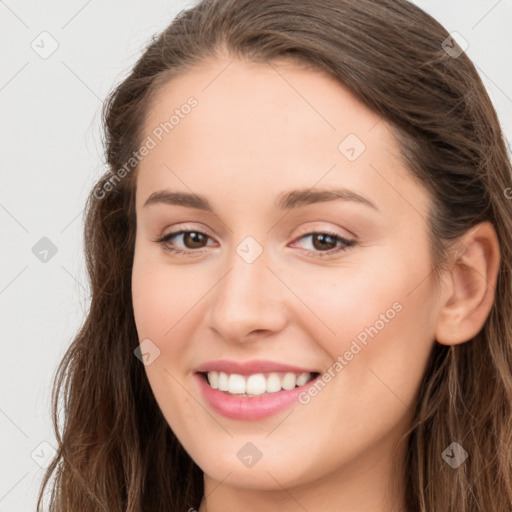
(250, 367)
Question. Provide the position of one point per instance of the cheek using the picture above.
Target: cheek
(163, 296)
(383, 324)
(376, 318)
(163, 302)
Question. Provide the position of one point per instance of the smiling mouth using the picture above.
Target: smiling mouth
(256, 384)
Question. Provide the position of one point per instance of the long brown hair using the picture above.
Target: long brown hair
(115, 450)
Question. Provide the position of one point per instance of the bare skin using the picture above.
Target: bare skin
(259, 131)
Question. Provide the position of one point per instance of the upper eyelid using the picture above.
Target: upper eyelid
(313, 230)
(182, 231)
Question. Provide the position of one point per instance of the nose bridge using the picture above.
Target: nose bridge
(248, 297)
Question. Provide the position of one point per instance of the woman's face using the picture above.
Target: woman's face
(258, 144)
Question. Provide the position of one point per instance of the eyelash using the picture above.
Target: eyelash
(322, 254)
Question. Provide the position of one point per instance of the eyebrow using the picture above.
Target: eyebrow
(284, 201)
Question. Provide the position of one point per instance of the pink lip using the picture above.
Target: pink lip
(249, 367)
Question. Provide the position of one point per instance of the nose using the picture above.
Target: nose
(249, 301)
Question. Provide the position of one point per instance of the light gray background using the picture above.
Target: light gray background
(51, 153)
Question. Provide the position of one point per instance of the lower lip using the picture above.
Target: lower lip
(250, 408)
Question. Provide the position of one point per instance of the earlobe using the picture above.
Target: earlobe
(472, 280)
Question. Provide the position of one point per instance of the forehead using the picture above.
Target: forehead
(259, 128)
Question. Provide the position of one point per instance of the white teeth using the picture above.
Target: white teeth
(213, 379)
(236, 384)
(223, 381)
(256, 384)
(289, 381)
(303, 378)
(273, 383)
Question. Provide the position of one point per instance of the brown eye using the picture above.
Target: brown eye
(190, 240)
(194, 239)
(326, 244)
(323, 241)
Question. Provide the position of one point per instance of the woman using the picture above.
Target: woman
(300, 269)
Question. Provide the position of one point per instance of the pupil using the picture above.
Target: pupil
(196, 237)
(322, 238)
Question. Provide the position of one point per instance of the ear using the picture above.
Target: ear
(468, 294)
